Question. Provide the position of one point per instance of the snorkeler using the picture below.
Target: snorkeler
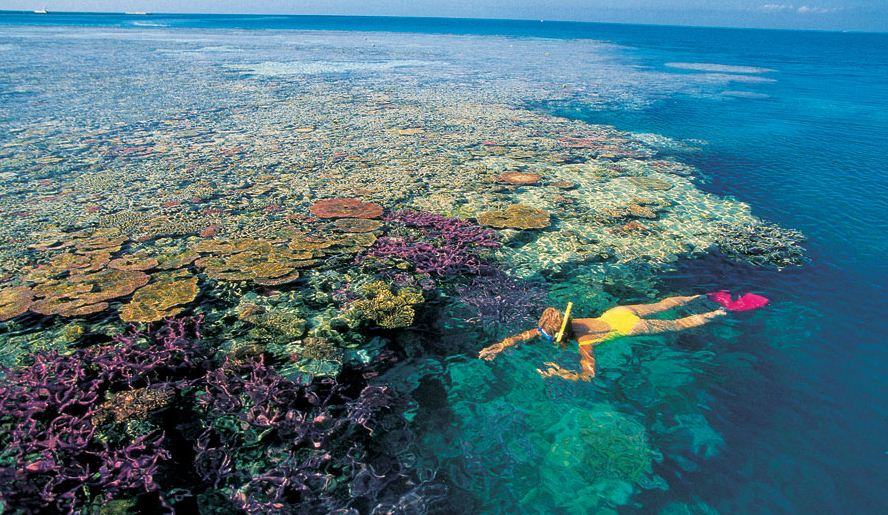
(557, 327)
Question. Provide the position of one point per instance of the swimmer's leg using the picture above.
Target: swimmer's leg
(670, 326)
(666, 304)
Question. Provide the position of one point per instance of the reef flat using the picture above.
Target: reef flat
(244, 293)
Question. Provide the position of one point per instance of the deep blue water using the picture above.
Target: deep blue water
(806, 428)
(808, 153)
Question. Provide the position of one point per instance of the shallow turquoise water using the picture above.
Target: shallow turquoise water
(777, 411)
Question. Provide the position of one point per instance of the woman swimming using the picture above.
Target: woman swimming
(557, 327)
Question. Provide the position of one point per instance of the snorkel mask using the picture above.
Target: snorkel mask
(560, 335)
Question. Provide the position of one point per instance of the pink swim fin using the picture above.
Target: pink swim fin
(746, 302)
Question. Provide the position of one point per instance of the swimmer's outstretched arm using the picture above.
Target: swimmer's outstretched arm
(587, 367)
(490, 352)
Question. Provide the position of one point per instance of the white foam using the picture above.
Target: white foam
(719, 68)
(272, 68)
(744, 94)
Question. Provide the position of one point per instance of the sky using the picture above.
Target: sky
(869, 15)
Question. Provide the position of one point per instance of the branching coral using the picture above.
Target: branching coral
(262, 442)
(452, 230)
(305, 430)
(497, 298)
(52, 454)
(446, 246)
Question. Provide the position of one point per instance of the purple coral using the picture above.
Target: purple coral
(262, 442)
(447, 245)
(497, 298)
(51, 452)
(247, 402)
(452, 230)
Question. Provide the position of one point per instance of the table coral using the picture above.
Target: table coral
(519, 178)
(165, 297)
(356, 225)
(139, 262)
(345, 208)
(516, 216)
(251, 260)
(86, 294)
(14, 301)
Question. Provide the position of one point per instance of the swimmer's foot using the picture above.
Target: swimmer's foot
(720, 312)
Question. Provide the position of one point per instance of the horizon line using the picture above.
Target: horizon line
(537, 20)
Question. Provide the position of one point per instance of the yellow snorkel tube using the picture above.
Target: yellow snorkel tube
(560, 334)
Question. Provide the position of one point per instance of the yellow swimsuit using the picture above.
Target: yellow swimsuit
(621, 321)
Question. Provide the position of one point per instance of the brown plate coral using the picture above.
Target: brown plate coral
(516, 216)
(14, 302)
(86, 294)
(166, 297)
(251, 260)
(519, 178)
(356, 225)
(345, 208)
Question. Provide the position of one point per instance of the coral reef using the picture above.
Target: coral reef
(251, 260)
(313, 435)
(519, 178)
(165, 297)
(345, 208)
(289, 323)
(133, 262)
(496, 299)
(516, 216)
(761, 244)
(651, 183)
(262, 443)
(301, 217)
(134, 404)
(356, 225)
(52, 454)
(14, 301)
(444, 246)
(385, 308)
(85, 294)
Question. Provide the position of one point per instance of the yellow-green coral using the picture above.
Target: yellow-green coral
(388, 309)
(277, 321)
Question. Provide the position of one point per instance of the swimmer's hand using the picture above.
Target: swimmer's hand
(554, 369)
(488, 353)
